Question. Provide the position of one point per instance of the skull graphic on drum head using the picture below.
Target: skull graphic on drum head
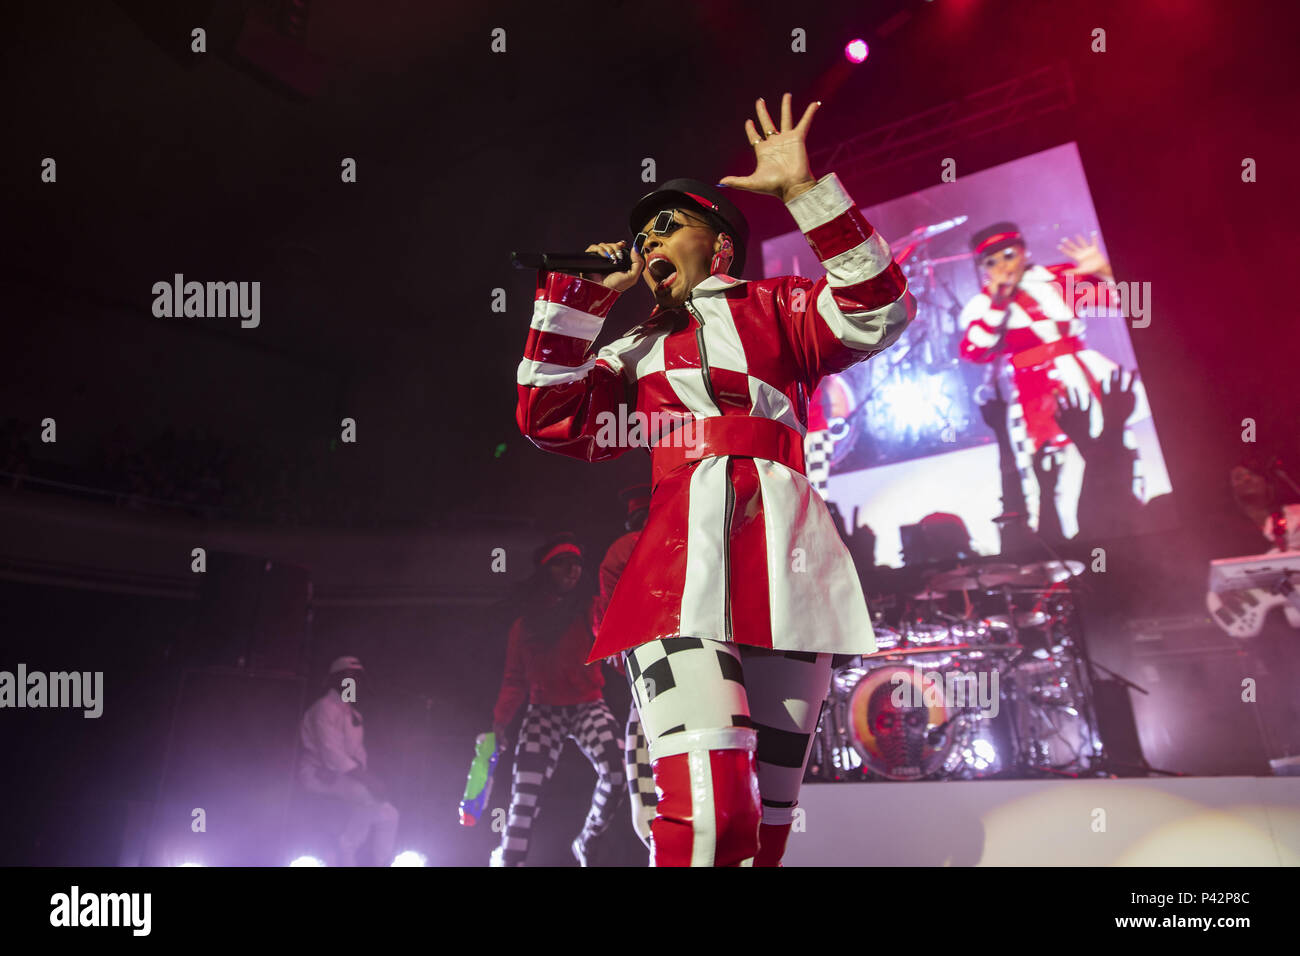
(890, 723)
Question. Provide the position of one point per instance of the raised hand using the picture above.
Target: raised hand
(1074, 418)
(781, 168)
(1117, 400)
(1087, 256)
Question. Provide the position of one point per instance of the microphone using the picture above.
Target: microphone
(575, 262)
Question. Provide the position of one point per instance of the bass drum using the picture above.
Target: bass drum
(890, 724)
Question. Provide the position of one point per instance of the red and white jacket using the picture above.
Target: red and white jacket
(1044, 342)
(737, 546)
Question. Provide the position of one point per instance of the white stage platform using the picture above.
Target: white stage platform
(1187, 821)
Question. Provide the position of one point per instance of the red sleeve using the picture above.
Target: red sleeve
(514, 685)
(565, 395)
(860, 307)
(983, 322)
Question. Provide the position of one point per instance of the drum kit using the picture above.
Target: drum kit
(983, 673)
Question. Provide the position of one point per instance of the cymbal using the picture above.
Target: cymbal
(1049, 572)
(930, 595)
(1032, 618)
(975, 578)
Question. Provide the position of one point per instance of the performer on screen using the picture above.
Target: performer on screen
(1027, 313)
(739, 589)
(546, 667)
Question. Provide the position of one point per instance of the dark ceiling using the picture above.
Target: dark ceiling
(174, 162)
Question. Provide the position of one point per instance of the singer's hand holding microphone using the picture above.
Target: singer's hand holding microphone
(618, 281)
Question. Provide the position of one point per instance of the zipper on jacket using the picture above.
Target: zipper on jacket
(731, 493)
(726, 552)
(704, 354)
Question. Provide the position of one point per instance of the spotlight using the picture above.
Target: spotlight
(856, 50)
(410, 858)
(307, 861)
(187, 863)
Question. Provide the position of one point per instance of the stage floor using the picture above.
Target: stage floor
(1186, 821)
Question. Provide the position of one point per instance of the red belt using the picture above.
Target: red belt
(743, 436)
(1045, 353)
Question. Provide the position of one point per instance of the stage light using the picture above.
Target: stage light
(984, 751)
(188, 863)
(912, 404)
(410, 858)
(307, 861)
(856, 50)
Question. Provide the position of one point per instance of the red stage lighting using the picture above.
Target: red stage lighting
(856, 50)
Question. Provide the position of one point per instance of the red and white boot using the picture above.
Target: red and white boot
(709, 811)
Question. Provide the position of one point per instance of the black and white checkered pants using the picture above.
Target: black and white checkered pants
(640, 776)
(541, 738)
(817, 447)
(684, 685)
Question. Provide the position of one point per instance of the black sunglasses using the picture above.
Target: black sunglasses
(1007, 254)
(665, 224)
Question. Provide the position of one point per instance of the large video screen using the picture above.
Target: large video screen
(1017, 374)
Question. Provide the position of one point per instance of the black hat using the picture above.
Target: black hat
(721, 213)
(999, 234)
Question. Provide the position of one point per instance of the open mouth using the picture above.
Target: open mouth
(662, 271)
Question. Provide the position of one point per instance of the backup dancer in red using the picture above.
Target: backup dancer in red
(545, 669)
(739, 589)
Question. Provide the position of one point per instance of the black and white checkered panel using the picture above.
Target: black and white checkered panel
(595, 732)
(690, 693)
(1022, 446)
(640, 777)
(817, 459)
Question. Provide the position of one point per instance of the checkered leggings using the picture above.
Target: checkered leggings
(688, 684)
(640, 776)
(817, 446)
(541, 738)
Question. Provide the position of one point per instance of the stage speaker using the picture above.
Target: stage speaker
(253, 613)
(228, 771)
(1192, 718)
